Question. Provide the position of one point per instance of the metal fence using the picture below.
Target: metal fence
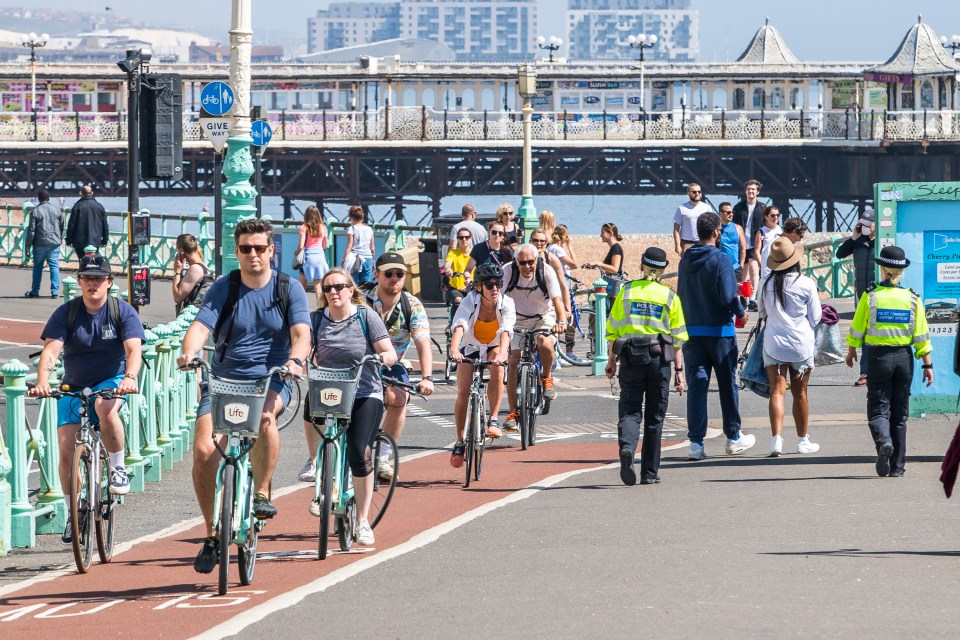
(426, 124)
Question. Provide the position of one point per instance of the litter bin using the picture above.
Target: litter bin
(430, 290)
(444, 225)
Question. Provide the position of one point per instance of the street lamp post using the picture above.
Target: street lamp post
(642, 41)
(527, 87)
(952, 43)
(551, 44)
(34, 42)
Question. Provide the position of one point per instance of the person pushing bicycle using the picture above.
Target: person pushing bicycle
(534, 287)
(100, 337)
(259, 320)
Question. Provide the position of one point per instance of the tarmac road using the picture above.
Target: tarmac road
(549, 542)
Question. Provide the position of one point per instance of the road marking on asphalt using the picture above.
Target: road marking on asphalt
(282, 555)
(548, 437)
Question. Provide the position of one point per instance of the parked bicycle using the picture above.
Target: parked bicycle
(530, 399)
(331, 393)
(580, 338)
(236, 407)
(475, 432)
(92, 507)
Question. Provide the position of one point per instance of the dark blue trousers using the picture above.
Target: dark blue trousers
(701, 357)
(644, 392)
(888, 399)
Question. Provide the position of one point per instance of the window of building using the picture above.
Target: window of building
(739, 99)
(926, 95)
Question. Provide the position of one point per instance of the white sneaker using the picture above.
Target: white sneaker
(119, 481)
(805, 446)
(364, 534)
(309, 471)
(741, 444)
(696, 452)
(385, 468)
(776, 446)
(314, 508)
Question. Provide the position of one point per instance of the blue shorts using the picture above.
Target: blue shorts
(281, 386)
(398, 372)
(68, 409)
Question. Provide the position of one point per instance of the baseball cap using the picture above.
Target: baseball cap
(95, 265)
(390, 260)
(867, 217)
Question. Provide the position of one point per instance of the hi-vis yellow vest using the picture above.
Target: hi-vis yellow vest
(646, 307)
(890, 317)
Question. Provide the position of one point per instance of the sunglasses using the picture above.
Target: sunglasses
(526, 263)
(247, 248)
(508, 213)
(538, 240)
(96, 279)
(694, 192)
(340, 286)
(394, 273)
(773, 215)
(498, 233)
(726, 212)
(490, 285)
(464, 237)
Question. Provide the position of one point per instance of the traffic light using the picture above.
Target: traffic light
(161, 126)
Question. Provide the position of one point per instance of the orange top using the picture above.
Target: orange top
(485, 332)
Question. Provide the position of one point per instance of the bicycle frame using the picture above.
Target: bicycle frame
(236, 454)
(335, 432)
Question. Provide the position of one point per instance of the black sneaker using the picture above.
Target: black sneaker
(883, 459)
(67, 536)
(627, 474)
(752, 306)
(653, 480)
(209, 556)
(262, 507)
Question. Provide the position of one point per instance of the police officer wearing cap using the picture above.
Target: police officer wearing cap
(890, 320)
(645, 330)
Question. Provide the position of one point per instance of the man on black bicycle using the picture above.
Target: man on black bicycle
(259, 320)
(100, 339)
(533, 286)
(406, 321)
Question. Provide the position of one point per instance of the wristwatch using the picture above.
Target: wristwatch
(678, 369)
(130, 375)
(927, 366)
(429, 378)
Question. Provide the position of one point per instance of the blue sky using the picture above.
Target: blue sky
(813, 29)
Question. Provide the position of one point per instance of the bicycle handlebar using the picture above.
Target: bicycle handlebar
(412, 388)
(198, 363)
(84, 394)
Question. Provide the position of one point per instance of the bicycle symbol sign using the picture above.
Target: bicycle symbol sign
(217, 98)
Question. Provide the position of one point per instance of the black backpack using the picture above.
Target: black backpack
(113, 310)
(541, 278)
(199, 290)
(281, 298)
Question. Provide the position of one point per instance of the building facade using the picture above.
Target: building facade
(598, 29)
(349, 24)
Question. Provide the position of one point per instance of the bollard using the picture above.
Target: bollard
(133, 460)
(162, 396)
(152, 453)
(51, 492)
(178, 424)
(23, 531)
(70, 289)
(599, 327)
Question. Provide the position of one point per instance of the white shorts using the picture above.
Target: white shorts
(546, 322)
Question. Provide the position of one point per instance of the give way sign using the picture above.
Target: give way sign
(217, 130)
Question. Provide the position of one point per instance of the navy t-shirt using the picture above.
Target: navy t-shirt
(94, 352)
(260, 337)
(482, 254)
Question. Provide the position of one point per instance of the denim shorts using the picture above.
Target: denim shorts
(68, 409)
(281, 386)
(800, 367)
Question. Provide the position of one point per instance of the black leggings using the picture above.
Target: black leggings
(361, 434)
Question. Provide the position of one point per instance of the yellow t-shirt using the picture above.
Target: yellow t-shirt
(458, 263)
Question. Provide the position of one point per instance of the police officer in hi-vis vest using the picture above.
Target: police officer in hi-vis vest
(891, 320)
(645, 330)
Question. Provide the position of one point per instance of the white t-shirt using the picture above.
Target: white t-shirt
(750, 209)
(527, 297)
(789, 332)
(767, 236)
(686, 216)
(362, 235)
(561, 253)
(475, 228)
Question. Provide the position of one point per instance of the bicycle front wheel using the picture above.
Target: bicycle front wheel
(469, 439)
(580, 339)
(383, 489)
(83, 499)
(481, 435)
(325, 476)
(227, 491)
(523, 406)
(247, 552)
(292, 409)
(106, 516)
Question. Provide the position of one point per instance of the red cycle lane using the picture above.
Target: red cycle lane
(21, 332)
(153, 589)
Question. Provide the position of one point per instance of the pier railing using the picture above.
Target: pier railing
(425, 124)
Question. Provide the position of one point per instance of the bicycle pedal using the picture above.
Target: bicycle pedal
(546, 407)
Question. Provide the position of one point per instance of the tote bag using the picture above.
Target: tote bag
(753, 375)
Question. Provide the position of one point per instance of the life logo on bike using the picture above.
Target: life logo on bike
(236, 412)
(331, 396)
(217, 98)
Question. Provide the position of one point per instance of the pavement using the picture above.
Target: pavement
(548, 542)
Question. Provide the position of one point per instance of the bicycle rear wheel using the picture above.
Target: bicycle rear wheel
(580, 354)
(523, 406)
(82, 498)
(106, 515)
(325, 475)
(227, 492)
(247, 552)
(383, 489)
(469, 438)
(292, 409)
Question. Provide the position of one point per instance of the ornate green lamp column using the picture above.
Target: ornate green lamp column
(527, 87)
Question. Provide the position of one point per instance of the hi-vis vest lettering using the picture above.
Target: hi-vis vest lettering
(649, 309)
(897, 316)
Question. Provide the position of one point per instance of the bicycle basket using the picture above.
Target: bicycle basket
(332, 391)
(236, 405)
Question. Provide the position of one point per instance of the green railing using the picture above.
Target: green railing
(833, 275)
(158, 423)
(162, 249)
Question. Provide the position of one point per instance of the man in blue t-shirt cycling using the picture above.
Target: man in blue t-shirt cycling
(256, 337)
(100, 351)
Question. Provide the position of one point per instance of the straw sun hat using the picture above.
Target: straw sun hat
(784, 254)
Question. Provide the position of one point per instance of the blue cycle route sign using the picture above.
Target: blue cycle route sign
(217, 98)
(261, 132)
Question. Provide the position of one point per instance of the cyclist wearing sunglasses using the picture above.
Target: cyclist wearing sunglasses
(387, 300)
(534, 287)
(484, 323)
(253, 339)
(494, 250)
(456, 262)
